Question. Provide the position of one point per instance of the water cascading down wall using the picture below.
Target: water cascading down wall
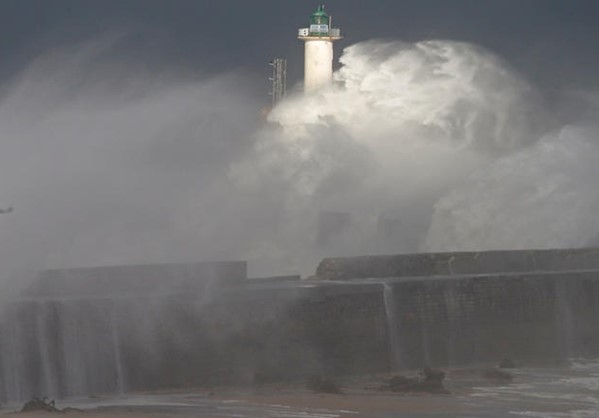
(111, 330)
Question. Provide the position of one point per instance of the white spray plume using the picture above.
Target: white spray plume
(105, 164)
(545, 196)
(109, 166)
(409, 115)
(442, 136)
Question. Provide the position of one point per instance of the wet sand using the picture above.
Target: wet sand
(557, 392)
(269, 401)
(301, 405)
(370, 406)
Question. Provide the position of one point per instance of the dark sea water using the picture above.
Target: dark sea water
(568, 391)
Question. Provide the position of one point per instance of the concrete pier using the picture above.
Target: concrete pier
(118, 329)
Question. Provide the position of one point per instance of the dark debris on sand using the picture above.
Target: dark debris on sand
(45, 405)
(320, 384)
(497, 375)
(507, 363)
(428, 381)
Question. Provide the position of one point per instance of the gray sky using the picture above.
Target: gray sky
(551, 41)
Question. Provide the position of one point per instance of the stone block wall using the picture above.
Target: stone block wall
(65, 347)
(256, 331)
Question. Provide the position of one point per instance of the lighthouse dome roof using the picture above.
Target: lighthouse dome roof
(319, 16)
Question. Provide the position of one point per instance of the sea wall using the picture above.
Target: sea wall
(208, 324)
(534, 318)
(257, 333)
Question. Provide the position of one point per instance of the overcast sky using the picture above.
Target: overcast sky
(551, 41)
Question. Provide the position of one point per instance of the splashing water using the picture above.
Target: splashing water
(442, 136)
(541, 197)
(442, 139)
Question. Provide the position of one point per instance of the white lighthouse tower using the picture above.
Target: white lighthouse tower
(319, 38)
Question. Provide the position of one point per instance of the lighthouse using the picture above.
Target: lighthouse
(318, 60)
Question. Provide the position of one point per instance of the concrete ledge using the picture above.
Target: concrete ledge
(444, 264)
(140, 279)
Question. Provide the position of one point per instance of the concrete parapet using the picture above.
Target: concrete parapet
(140, 279)
(446, 264)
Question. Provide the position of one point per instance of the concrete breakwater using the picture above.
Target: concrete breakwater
(112, 330)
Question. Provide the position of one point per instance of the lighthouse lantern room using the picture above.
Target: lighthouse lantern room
(318, 39)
